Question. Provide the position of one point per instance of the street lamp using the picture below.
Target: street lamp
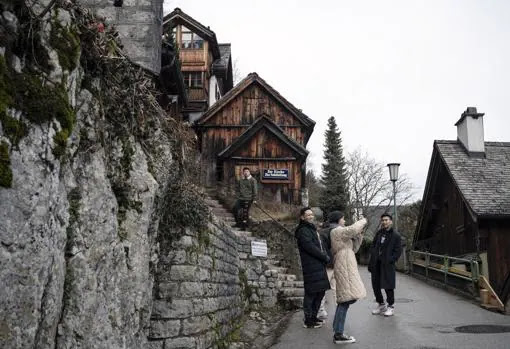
(393, 167)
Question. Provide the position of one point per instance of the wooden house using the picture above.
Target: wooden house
(466, 203)
(254, 126)
(206, 65)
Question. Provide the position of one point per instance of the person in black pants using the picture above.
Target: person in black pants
(314, 259)
(384, 253)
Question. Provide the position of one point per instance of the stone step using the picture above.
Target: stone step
(287, 277)
(293, 292)
(291, 303)
(212, 203)
(219, 210)
(223, 214)
(292, 284)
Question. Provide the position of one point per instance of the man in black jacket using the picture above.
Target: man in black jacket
(246, 192)
(384, 253)
(314, 259)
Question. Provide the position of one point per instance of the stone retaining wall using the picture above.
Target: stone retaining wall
(282, 243)
(204, 283)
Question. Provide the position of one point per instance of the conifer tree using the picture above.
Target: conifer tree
(335, 193)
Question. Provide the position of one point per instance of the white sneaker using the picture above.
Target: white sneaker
(381, 308)
(389, 312)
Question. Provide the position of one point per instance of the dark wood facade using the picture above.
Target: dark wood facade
(450, 222)
(205, 64)
(254, 126)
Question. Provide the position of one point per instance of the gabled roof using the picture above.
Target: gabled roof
(253, 78)
(483, 182)
(263, 122)
(177, 16)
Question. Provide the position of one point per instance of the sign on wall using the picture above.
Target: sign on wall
(275, 174)
(259, 248)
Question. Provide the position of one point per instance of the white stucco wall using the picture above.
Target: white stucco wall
(470, 133)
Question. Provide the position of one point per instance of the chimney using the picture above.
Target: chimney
(470, 132)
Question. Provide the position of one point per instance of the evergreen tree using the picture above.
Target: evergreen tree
(334, 194)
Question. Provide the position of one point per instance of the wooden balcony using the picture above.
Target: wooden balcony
(197, 94)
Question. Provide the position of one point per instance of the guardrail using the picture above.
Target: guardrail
(446, 267)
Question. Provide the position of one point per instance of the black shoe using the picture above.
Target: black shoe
(312, 324)
(340, 338)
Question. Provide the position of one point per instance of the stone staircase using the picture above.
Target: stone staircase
(290, 290)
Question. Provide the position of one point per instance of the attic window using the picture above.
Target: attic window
(193, 79)
(190, 40)
(118, 3)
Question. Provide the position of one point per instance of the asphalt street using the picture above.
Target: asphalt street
(425, 318)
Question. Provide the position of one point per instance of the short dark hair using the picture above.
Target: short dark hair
(246, 168)
(303, 210)
(386, 215)
(335, 216)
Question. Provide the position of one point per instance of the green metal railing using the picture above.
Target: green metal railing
(445, 266)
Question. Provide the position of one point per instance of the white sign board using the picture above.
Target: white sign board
(259, 248)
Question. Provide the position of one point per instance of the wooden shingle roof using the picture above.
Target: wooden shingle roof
(484, 182)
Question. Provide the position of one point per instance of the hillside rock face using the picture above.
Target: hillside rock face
(78, 227)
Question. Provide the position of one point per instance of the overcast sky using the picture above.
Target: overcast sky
(395, 74)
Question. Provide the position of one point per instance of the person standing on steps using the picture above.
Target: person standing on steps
(384, 253)
(345, 242)
(246, 192)
(334, 218)
(314, 259)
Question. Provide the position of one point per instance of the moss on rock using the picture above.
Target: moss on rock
(12, 128)
(5, 166)
(65, 40)
(38, 101)
(60, 140)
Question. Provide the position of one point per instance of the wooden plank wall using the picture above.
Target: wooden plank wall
(453, 227)
(290, 191)
(498, 252)
(253, 102)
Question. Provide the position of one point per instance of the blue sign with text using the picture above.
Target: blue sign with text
(275, 174)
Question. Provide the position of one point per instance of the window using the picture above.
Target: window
(190, 40)
(193, 79)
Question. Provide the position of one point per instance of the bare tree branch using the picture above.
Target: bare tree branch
(370, 189)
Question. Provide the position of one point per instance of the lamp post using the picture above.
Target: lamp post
(393, 167)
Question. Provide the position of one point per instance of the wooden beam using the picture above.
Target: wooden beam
(494, 301)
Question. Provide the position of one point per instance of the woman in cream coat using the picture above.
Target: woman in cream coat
(345, 242)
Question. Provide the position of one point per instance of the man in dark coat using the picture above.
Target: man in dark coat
(384, 253)
(314, 259)
(246, 192)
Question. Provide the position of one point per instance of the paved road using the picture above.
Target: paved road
(425, 318)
